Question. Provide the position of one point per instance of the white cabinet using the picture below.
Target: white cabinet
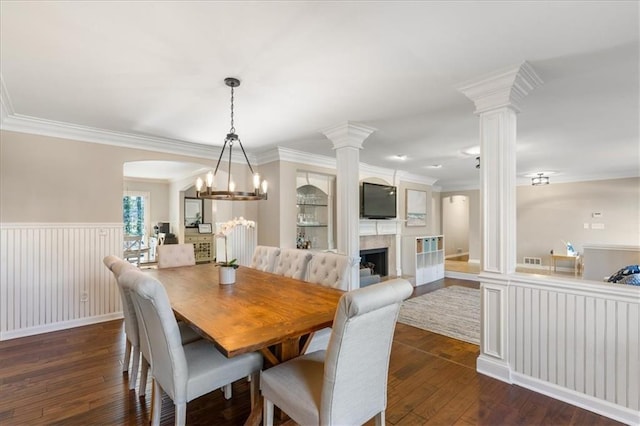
(423, 257)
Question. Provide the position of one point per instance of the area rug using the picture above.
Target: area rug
(452, 311)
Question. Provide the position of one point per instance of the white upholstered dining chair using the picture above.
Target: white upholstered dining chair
(136, 347)
(182, 372)
(132, 345)
(264, 258)
(173, 255)
(293, 263)
(330, 270)
(347, 383)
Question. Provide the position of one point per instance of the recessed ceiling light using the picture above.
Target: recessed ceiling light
(472, 150)
(400, 157)
(434, 166)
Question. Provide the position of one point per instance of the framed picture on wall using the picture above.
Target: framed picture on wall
(416, 207)
(205, 228)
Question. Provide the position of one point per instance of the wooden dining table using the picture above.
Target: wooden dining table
(259, 312)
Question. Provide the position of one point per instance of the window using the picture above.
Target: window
(135, 213)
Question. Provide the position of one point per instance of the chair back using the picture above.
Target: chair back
(357, 360)
(293, 263)
(118, 267)
(173, 255)
(264, 258)
(132, 248)
(161, 331)
(330, 270)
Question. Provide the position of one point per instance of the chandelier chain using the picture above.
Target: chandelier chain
(233, 129)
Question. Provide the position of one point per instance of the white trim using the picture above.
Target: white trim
(45, 225)
(493, 368)
(39, 126)
(57, 326)
(587, 402)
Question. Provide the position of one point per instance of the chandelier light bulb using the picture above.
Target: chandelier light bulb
(210, 179)
(199, 184)
(232, 185)
(264, 186)
(256, 181)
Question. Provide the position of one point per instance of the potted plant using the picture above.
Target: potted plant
(227, 272)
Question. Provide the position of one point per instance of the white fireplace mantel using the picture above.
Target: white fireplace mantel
(380, 227)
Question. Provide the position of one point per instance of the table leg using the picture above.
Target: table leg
(286, 350)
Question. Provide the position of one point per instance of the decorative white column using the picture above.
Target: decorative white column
(347, 141)
(496, 98)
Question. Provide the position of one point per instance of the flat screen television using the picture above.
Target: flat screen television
(377, 201)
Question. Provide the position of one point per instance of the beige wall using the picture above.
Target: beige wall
(46, 179)
(53, 180)
(269, 212)
(548, 214)
(455, 222)
(473, 199)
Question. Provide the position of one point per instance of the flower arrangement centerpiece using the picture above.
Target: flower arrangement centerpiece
(228, 267)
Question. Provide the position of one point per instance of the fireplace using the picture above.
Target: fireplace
(377, 259)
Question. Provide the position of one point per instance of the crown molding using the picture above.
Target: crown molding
(502, 88)
(280, 153)
(39, 126)
(410, 177)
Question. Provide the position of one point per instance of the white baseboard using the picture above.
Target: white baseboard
(474, 261)
(461, 275)
(587, 402)
(493, 368)
(64, 325)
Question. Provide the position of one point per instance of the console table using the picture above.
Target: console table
(564, 257)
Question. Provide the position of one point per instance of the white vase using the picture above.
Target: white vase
(227, 275)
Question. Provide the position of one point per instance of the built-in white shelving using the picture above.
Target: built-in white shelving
(423, 257)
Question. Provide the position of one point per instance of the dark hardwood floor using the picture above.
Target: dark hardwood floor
(74, 377)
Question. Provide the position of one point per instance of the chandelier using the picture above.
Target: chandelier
(540, 180)
(230, 194)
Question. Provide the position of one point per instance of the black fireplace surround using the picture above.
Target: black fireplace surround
(377, 259)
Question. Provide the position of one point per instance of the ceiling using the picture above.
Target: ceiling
(157, 69)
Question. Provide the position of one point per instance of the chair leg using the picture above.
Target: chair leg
(379, 419)
(254, 388)
(144, 370)
(135, 365)
(156, 404)
(127, 357)
(267, 413)
(227, 391)
(181, 414)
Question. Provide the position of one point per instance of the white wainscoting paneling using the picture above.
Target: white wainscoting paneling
(52, 276)
(579, 342)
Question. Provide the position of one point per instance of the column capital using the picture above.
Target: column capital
(503, 88)
(348, 134)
